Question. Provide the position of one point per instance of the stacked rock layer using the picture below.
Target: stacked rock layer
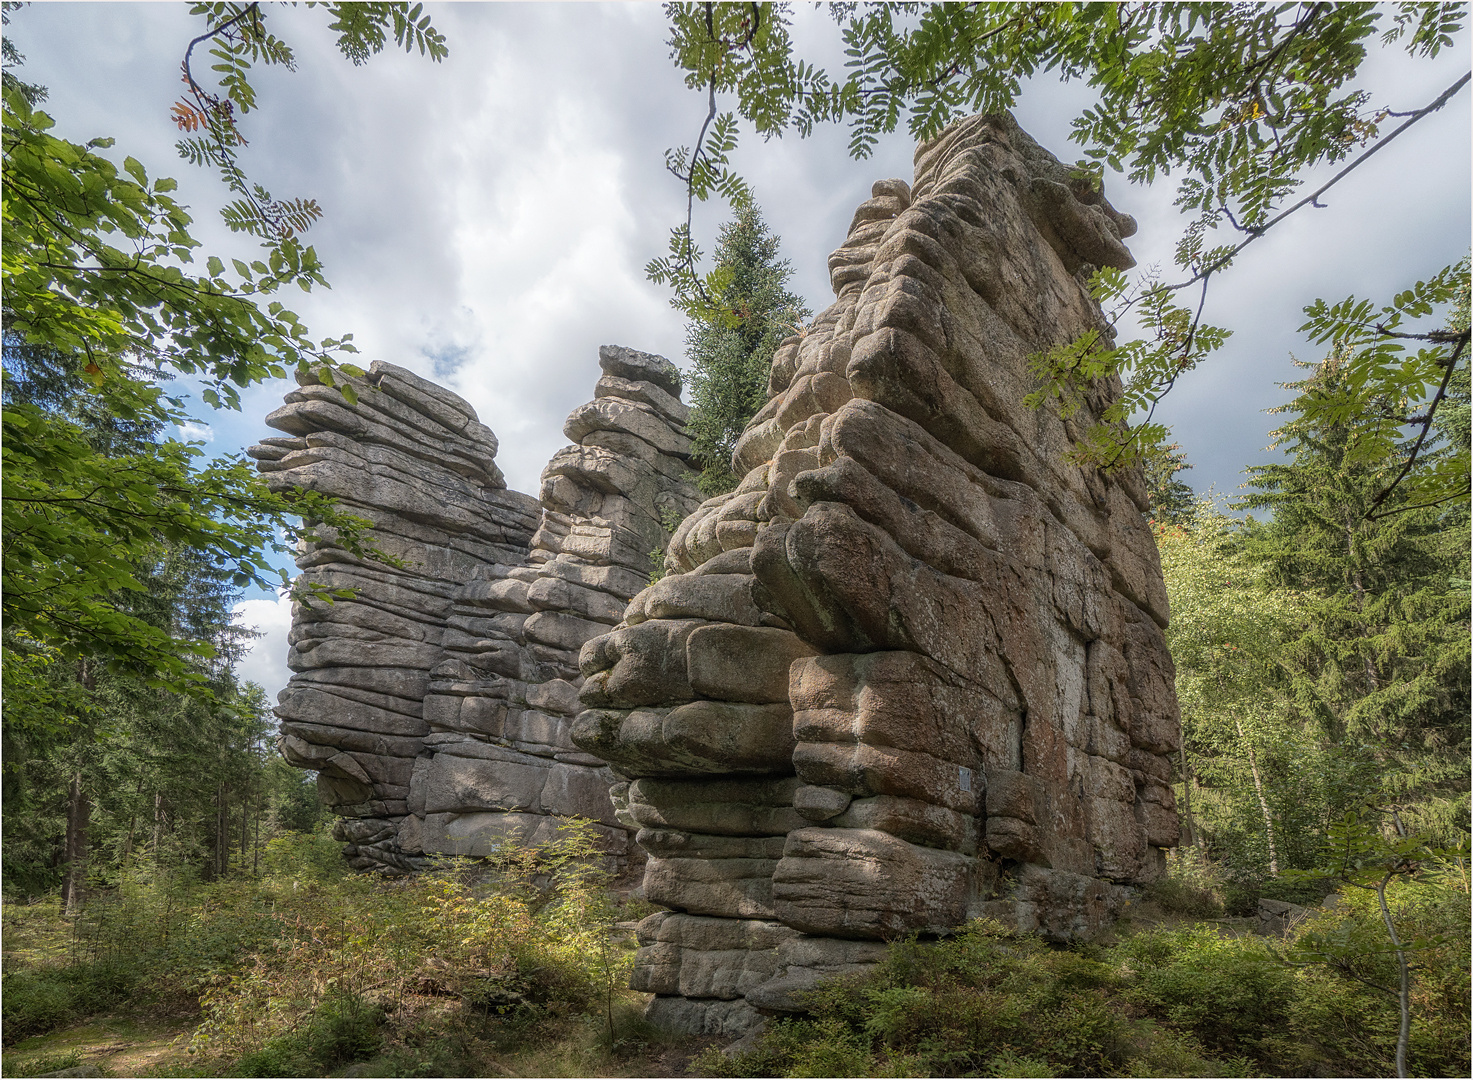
(912, 670)
(436, 703)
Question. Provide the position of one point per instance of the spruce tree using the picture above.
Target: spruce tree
(731, 352)
(1380, 663)
(1173, 501)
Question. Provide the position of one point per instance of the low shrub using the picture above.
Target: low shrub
(1227, 993)
(984, 1002)
(1184, 898)
(1190, 1001)
(343, 1028)
(307, 970)
(1192, 885)
(39, 1000)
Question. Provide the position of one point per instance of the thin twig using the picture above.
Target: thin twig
(1312, 199)
(1421, 438)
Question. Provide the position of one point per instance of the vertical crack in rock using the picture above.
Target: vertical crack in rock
(436, 704)
(912, 670)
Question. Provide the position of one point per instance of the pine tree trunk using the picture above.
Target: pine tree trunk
(78, 811)
(222, 833)
(133, 821)
(1268, 821)
(1186, 785)
(158, 825)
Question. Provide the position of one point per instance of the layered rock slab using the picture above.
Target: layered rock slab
(912, 670)
(436, 704)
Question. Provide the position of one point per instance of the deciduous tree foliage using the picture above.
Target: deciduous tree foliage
(1236, 102)
(101, 278)
(1254, 785)
(731, 350)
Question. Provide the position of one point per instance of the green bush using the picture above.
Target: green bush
(304, 857)
(1192, 886)
(1184, 898)
(984, 1002)
(39, 1000)
(1353, 1026)
(1192, 1001)
(343, 1028)
(1227, 993)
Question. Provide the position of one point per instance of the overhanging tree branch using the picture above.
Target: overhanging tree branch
(1411, 460)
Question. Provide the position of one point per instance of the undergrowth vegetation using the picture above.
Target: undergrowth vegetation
(517, 966)
(308, 969)
(1190, 1000)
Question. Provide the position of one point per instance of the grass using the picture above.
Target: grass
(308, 971)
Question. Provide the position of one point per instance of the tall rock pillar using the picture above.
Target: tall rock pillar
(912, 670)
(436, 704)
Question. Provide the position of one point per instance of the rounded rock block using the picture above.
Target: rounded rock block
(862, 883)
(700, 957)
(476, 835)
(698, 1017)
(720, 807)
(699, 874)
(701, 738)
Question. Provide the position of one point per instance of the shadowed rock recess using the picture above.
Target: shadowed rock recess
(436, 704)
(910, 672)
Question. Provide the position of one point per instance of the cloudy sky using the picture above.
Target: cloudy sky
(487, 219)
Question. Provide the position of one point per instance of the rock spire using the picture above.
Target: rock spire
(912, 670)
(436, 703)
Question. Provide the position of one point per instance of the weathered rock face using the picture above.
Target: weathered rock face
(436, 704)
(912, 670)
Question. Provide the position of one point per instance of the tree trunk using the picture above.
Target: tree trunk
(78, 811)
(1186, 787)
(133, 821)
(1268, 821)
(160, 825)
(222, 832)
(1404, 988)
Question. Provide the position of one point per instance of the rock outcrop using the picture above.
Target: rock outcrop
(912, 670)
(436, 704)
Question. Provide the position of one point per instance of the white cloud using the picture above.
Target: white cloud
(192, 432)
(266, 662)
(487, 219)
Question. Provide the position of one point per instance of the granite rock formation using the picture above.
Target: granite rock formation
(912, 670)
(436, 704)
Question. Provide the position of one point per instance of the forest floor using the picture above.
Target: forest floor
(132, 1046)
(125, 1044)
(117, 1045)
(1173, 992)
